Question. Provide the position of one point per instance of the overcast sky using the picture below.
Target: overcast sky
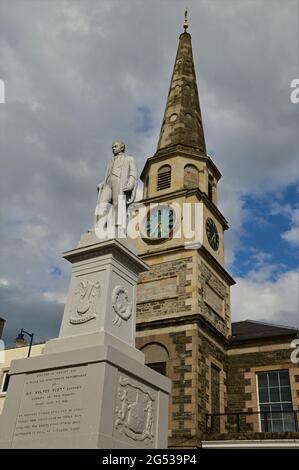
(79, 74)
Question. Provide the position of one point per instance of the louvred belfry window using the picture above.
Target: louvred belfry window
(164, 178)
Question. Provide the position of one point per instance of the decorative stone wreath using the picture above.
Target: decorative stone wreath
(122, 308)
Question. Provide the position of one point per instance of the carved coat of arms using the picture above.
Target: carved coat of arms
(85, 302)
(135, 411)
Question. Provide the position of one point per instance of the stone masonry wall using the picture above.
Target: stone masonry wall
(189, 368)
(242, 369)
(210, 354)
(163, 290)
(181, 370)
(218, 314)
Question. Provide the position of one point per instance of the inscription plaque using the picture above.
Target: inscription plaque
(157, 290)
(214, 300)
(52, 403)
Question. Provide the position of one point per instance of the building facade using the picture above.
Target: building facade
(184, 300)
(8, 356)
(183, 310)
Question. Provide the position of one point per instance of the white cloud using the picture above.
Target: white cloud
(4, 282)
(292, 235)
(277, 301)
(232, 207)
(264, 268)
(56, 297)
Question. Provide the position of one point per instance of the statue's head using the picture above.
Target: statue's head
(118, 147)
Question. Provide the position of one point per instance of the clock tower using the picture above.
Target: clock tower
(183, 304)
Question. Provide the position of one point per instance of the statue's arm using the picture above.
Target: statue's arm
(131, 183)
(102, 183)
(100, 186)
(132, 177)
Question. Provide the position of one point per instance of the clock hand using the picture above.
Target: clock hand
(214, 238)
(154, 229)
(159, 229)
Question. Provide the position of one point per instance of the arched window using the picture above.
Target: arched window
(156, 357)
(164, 177)
(191, 178)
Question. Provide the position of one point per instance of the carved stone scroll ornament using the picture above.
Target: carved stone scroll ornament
(135, 414)
(85, 303)
(121, 305)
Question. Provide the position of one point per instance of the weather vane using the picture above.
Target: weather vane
(186, 21)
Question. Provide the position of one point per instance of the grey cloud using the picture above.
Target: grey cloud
(76, 74)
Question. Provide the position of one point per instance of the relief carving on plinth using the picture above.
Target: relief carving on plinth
(85, 302)
(135, 410)
(121, 304)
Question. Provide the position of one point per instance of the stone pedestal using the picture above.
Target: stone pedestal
(102, 293)
(90, 388)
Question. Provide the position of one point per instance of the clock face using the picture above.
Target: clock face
(159, 222)
(212, 233)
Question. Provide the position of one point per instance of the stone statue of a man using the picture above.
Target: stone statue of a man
(119, 185)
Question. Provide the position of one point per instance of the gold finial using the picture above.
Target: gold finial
(186, 21)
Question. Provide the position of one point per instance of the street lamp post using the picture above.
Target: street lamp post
(20, 341)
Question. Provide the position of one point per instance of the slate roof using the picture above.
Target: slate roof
(254, 330)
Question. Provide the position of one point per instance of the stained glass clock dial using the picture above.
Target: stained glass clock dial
(160, 222)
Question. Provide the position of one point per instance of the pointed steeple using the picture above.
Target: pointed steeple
(182, 122)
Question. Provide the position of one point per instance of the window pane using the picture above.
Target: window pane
(263, 380)
(273, 379)
(276, 411)
(264, 395)
(284, 378)
(287, 406)
(285, 394)
(277, 425)
(274, 394)
(289, 422)
(158, 367)
(276, 407)
(266, 427)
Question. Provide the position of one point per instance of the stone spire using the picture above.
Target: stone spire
(182, 122)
